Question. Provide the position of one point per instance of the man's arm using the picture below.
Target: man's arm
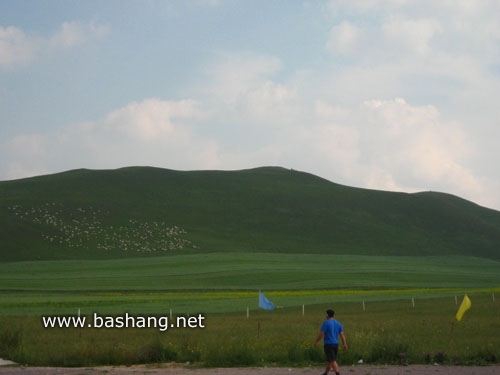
(344, 341)
(318, 339)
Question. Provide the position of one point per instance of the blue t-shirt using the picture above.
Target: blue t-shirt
(332, 329)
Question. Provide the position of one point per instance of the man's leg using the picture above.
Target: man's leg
(329, 366)
(335, 367)
(331, 359)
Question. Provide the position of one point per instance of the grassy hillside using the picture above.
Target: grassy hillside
(141, 211)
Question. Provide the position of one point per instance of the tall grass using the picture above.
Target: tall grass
(385, 332)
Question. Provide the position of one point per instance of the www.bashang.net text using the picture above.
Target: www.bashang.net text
(126, 321)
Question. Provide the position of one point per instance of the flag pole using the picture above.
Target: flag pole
(452, 332)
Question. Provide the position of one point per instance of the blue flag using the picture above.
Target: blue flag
(264, 303)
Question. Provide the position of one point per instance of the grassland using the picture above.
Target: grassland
(387, 332)
(394, 309)
(226, 282)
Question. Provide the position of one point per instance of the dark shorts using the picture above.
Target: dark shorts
(331, 351)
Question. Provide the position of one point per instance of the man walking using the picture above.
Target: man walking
(330, 331)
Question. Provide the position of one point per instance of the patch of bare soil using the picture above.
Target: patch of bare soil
(168, 369)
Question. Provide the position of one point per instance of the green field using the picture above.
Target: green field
(227, 282)
(404, 305)
(384, 332)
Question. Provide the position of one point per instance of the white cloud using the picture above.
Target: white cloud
(25, 155)
(240, 90)
(20, 48)
(233, 75)
(412, 34)
(16, 47)
(270, 103)
(74, 33)
(152, 132)
(343, 38)
(150, 120)
(415, 146)
(392, 145)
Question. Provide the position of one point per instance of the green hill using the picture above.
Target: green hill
(143, 211)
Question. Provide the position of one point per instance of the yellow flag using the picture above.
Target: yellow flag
(464, 306)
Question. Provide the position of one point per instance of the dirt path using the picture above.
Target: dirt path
(178, 370)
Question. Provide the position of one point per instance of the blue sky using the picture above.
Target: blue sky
(393, 95)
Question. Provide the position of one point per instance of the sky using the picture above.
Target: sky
(391, 95)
